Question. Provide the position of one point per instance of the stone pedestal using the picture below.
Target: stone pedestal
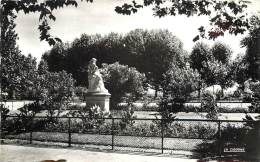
(101, 99)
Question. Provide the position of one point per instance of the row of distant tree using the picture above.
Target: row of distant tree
(153, 52)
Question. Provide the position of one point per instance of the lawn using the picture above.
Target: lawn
(193, 115)
(120, 142)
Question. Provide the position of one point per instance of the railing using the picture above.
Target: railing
(148, 135)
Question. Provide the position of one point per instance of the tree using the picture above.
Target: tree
(221, 52)
(200, 56)
(111, 48)
(159, 49)
(180, 82)
(213, 65)
(217, 73)
(54, 90)
(123, 82)
(75, 56)
(18, 71)
(252, 42)
(10, 52)
(135, 42)
(220, 66)
(42, 67)
(29, 73)
(239, 69)
(56, 57)
(177, 85)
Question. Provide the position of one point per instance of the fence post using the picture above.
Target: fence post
(69, 132)
(112, 131)
(219, 138)
(31, 131)
(162, 133)
(1, 133)
(219, 129)
(1, 130)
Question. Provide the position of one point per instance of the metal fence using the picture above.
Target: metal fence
(145, 135)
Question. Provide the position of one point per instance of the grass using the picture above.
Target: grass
(133, 142)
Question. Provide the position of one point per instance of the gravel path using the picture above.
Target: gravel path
(10, 153)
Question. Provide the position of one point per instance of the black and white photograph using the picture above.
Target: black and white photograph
(130, 80)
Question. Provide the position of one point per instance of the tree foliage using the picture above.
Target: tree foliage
(56, 57)
(210, 105)
(221, 52)
(18, 71)
(179, 82)
(252, 43)
(224, 15)
(54, 90)
(74, 57)
(239, 69)
(200, 55)
(44, 8)
(123, 82)
(217, 73)
(159, 48)
(212, 63)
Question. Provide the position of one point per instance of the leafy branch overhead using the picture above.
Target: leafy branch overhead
(44, 7)
(223, 15)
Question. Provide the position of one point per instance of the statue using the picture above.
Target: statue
(97, 94)
(95, 80)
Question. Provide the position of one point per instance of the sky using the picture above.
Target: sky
(100, 17)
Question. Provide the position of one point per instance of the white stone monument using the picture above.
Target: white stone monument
(97, 94)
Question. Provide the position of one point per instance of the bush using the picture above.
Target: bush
(91, 117)
(179, 82)
(123, 82)
(223, 109)
(24, 120)
(12, 126)
(54, 90)
(254, 107)
(231, 136)
(179, 129)
(256, 89)
(4, 112)
(232, 110)
(57, 126)
(80, 91)
(127, 117)
(252, 137)
(209, 104)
